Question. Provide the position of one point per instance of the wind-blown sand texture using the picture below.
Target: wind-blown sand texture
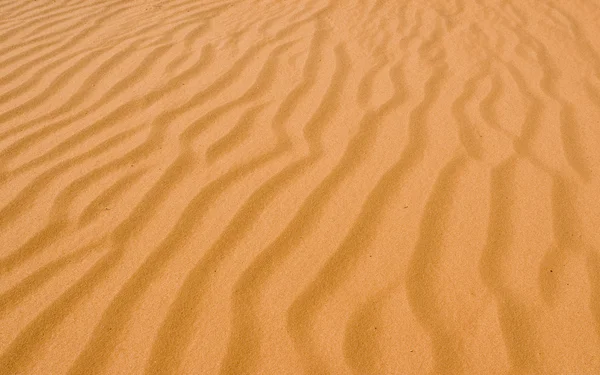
(299, 187)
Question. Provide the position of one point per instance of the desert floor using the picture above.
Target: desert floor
(300, 187)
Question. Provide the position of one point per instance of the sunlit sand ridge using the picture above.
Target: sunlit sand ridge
(300, 187)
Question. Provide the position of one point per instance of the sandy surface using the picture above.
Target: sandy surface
(299, 187)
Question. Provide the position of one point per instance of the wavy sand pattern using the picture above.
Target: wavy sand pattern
(299, 187)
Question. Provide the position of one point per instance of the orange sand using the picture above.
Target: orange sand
(300, 187)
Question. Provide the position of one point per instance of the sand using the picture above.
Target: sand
(300, 187)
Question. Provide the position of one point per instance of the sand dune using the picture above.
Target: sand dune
(299, 187)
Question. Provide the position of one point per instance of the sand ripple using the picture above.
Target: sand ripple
(299, 187)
